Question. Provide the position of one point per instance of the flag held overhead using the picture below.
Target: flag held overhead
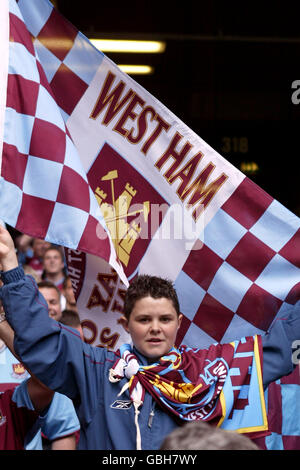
(114, 145)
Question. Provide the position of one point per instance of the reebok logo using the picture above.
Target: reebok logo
(121, 404)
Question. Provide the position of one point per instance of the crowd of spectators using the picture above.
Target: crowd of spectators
(46, 263)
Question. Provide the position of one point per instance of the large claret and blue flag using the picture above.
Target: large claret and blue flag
(44, 188)
(173, 206)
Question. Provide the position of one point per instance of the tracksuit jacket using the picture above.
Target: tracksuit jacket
(59, 358)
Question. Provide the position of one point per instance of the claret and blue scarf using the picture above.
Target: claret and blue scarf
(221, 385)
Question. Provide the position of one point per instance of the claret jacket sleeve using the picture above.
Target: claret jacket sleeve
(54, 352)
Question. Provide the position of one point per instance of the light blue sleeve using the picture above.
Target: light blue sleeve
(60, 419)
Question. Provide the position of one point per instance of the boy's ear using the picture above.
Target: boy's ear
(124, 322)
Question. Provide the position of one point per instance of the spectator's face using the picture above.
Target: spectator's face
(39, 247)
(53, 262)
(153, 326)
(52, 298)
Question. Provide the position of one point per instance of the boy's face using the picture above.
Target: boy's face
(153, 326)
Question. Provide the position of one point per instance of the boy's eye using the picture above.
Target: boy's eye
(147, 319)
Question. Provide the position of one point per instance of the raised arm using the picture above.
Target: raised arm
(53, 352)
(6, 332)
(8, 260)
(40, 395)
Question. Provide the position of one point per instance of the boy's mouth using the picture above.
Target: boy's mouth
(154, 340)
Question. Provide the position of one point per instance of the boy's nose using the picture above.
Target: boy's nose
(155, 326)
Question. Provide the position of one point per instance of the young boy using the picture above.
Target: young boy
(129, 400)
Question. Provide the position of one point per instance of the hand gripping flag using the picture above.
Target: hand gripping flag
(174, 207)
(44, 190)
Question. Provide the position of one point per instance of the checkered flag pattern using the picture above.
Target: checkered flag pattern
(71, 59)
(282, 397)
(44, 188)
(247, 272)
(231, 280)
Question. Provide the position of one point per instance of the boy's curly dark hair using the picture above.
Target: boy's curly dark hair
(153, 286)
